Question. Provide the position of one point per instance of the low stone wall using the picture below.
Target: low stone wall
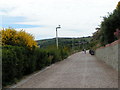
(110, 54)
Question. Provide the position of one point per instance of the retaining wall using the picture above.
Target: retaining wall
(110, 54)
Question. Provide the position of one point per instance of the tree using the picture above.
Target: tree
(109, 26)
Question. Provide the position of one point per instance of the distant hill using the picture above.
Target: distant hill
(65, 42)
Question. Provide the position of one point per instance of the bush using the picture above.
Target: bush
(21, 56)
(41, 58)
(20, 61)
(16, 62)
(17, 38)
(11, 66)
(64, 53)
(55, 54)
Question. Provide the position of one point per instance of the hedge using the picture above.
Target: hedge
(19, 61)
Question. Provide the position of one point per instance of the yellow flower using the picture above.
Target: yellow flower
(21, 38)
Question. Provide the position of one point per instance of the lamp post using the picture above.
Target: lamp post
(72, 43)
(57, 36)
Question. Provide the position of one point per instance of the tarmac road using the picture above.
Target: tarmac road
(77, 71)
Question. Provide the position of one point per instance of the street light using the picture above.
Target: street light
(57, 36)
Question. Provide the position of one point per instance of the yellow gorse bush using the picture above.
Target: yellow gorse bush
(118, 5)
(17, 38)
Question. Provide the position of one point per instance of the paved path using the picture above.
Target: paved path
(77, 71)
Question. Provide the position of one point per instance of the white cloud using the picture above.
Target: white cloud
(76, 17)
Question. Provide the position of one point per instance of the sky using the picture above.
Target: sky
(78, 18)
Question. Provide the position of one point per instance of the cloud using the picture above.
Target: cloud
(11, 21)
(76, 17)
(19, 26)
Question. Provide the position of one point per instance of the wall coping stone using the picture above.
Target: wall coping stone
(111, 44)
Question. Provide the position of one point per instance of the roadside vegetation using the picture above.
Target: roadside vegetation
(22, 56)
(109, 29)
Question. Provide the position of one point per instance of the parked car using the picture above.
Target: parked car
(92, 52)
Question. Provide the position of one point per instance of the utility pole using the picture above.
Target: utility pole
(57, 36)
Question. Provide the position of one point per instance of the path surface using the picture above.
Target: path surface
(77, 71)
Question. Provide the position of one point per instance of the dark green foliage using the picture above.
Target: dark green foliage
(109, 26)
(105, 34)
(42, 57)
(55, 55)
(64, 53)
(20, 61)
(11, 66)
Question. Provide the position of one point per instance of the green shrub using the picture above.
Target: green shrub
(41, 58)
(10, 64)
(55, 55)
(13, 63)
(20, 61)
(64, 53)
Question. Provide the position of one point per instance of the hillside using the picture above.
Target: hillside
(66, 42)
